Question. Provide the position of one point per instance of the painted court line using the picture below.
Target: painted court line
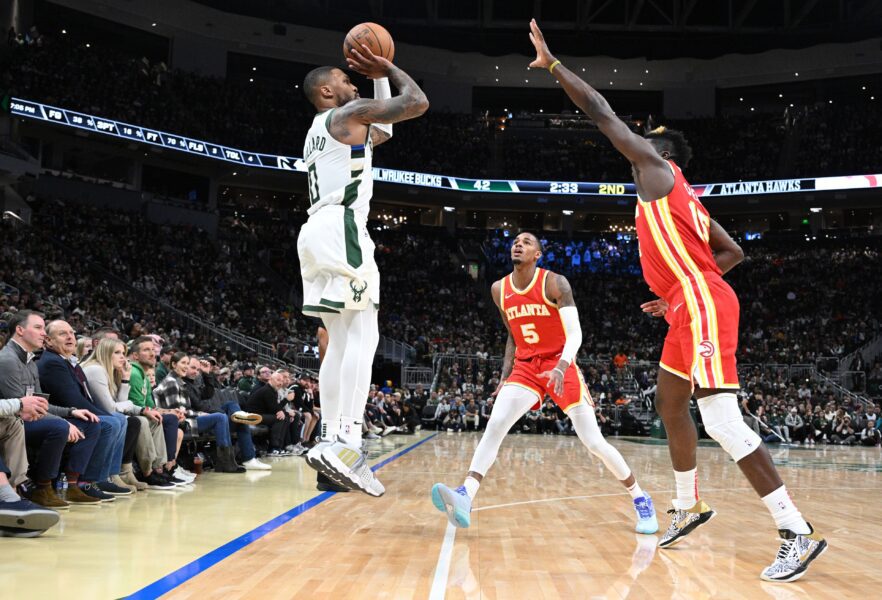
(442, 569)
(188, 571)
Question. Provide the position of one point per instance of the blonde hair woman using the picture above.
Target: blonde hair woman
(84, 347)
(107, 373)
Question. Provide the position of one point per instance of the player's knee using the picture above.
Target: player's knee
(596, 445)
(496, 427)
(724, 424)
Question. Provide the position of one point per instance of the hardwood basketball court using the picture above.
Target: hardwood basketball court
(549, 522)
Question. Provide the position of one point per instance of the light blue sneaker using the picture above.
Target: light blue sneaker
(456, 503)
(646, 521)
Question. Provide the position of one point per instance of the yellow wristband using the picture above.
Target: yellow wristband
(551, 68)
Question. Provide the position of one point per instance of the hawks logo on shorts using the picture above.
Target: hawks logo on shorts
(706, 349)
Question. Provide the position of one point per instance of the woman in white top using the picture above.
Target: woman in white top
(107, 373)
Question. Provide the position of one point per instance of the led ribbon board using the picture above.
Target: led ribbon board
(69, 118)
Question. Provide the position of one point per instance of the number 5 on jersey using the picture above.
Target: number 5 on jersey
(529, 333)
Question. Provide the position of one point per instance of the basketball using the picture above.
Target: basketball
(371, 35)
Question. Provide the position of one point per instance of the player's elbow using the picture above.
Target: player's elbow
(737, 253)
(421, 104)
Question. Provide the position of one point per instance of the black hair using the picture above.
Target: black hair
(177, 357)
(21, 318)
(676, 144)
(535, 237)
(136, 345)
(314, 80)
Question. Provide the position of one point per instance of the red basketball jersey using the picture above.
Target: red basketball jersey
(534, 320)
(674, 233)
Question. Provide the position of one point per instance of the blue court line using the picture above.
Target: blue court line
(188, 571)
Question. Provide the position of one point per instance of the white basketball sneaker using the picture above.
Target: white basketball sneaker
(347, 463)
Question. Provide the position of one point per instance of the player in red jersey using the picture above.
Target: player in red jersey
(544, 337)
(684, 254)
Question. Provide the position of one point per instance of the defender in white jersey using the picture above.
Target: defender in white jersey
(341, 282)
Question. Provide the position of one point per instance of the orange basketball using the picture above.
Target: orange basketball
(371, 35)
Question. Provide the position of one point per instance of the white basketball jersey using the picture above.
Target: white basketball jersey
(338, 173)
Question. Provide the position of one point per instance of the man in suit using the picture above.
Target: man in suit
(66, 383)
(50, 432)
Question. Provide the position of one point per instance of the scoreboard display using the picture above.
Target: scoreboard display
(68, 118)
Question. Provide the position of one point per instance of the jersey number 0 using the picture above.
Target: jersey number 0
(313, 184)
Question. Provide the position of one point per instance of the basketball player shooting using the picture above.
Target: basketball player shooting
(341, 282)
(684, 254)
(544, 336)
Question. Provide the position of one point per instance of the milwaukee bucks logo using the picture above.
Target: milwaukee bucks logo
(357, 292)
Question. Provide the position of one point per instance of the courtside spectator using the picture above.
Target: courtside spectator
(171, 396)
(142, 380)
(66, 384)
(49, 433)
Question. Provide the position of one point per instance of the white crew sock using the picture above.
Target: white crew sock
(7, 494)
(784, 511)
(471, 485)
(687, 489)
(635, 491)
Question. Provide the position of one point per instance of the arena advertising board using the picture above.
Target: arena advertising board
(69, 118)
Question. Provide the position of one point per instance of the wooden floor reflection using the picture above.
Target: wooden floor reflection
(549, 522)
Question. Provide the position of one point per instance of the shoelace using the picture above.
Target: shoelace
(785, 549)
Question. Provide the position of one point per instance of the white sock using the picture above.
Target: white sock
(7, 494)
(350, 430)
(635, 491)
(330, 429)
(687, 489)
(784, 511)
(471, 485)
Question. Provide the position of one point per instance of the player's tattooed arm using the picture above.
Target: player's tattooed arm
(410, 102)
(558, 290)
(378, 136)
(653, 176)
(727, 253)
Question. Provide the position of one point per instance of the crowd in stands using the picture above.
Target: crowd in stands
(801, 301)
(91, 419)
(831, 139)
(113, 411)
(794, 410)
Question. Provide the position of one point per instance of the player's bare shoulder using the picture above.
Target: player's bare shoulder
(558, 289)
(495, 290)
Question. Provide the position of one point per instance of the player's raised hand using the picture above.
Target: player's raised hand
(555, 379)
(656, 308)
(367, 63)
(544, 58)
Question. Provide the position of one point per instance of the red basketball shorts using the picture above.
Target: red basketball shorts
(703, 334)
(525, 374)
